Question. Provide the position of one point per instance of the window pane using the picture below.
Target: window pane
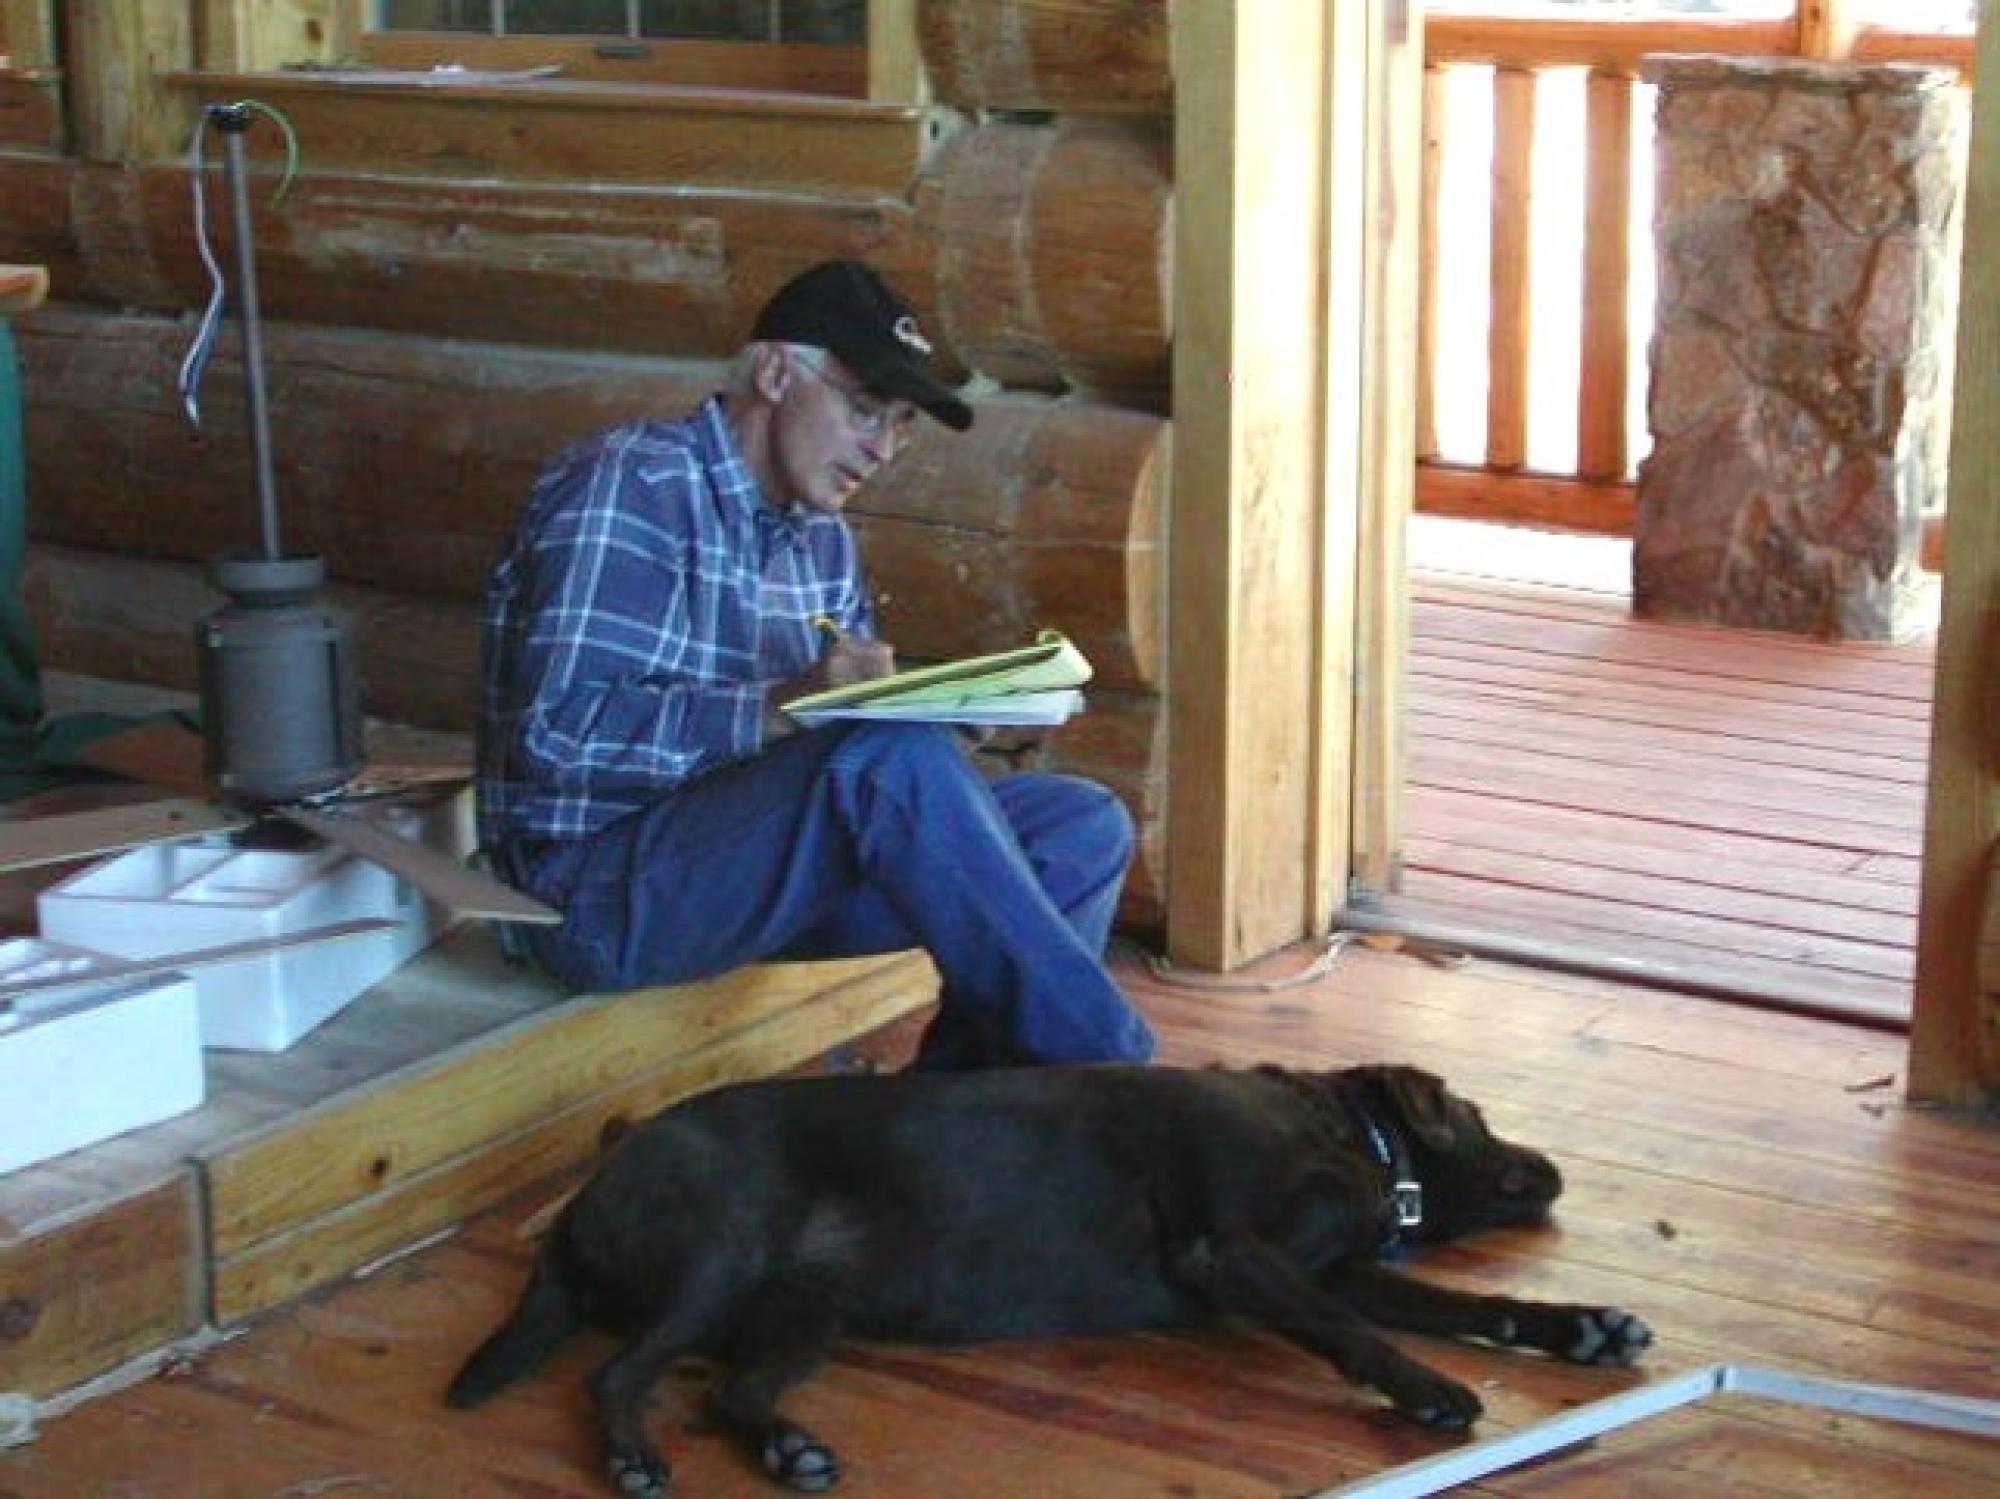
(565, 17)
(756, 20)
(826, 21)
(1619, 10)
(716, 20)
(434, 15)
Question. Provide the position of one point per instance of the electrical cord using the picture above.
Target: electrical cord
(196, 363)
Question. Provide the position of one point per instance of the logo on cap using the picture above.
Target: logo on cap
(909, 336)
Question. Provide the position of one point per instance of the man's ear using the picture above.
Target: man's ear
(771, 372)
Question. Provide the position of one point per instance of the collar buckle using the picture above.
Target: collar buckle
(1408, 1196)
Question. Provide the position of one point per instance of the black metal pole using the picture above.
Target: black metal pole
(233, 120)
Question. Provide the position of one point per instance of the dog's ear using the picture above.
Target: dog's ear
(1420, 1101)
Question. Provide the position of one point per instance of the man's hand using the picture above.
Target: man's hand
(851, 659)
(848, 660)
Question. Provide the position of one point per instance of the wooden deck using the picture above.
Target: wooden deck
(1747, 1181)
(1740, 809)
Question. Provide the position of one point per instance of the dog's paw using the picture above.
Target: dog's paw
(640, 1475)
(1607, 1335)
(799, 1460)
(1429, 1399)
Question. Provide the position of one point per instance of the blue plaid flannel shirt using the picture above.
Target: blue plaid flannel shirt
(648, 594)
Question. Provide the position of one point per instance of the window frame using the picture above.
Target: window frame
(831, 70)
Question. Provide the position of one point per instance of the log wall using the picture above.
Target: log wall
(460, 280)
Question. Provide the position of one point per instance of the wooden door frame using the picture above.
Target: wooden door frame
(1955, 1038)
(1296, 140)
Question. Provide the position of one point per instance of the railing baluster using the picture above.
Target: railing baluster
(1598, 497)
(1427, 271)
(1600, 404)
(1507, 337)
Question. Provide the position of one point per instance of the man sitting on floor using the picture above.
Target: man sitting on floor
(665, 592)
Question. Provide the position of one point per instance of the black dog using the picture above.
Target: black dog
(757, 1224)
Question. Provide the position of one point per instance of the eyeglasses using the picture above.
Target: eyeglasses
(872, 418)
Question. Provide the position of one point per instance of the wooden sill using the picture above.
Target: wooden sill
(514, 90)
(570, 131)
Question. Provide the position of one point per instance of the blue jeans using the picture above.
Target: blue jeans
(861, 839)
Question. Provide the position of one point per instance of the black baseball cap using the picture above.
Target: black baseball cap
(842, 306)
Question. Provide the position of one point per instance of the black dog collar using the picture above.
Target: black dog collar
(1406, 1193)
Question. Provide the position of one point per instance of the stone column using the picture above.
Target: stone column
(1806, 229)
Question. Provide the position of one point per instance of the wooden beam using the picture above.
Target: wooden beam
(1396, 168)
(140, 1258)
(1344, 380)
(1955, 1036)
(357, 1180)
(1250, 306)
(895, 57)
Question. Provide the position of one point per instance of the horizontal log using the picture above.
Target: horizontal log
(35, 228)
(133, 619)
(31, 111)
(555, 131)
(1052, 245)
(1069, 55)
(404, 463)
(652, 270)
(1052, 240)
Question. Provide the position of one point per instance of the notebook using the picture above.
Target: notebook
(1032, 684)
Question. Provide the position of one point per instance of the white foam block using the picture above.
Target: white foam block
(85, 1062)
(173, 898)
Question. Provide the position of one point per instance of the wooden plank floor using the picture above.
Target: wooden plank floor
(1749, 1182)
(1721, 801)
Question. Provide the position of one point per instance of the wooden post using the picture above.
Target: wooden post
(119, 53)
(1427, 285)
(1600, 414)
(1827, 29)
(1955, 1040)
(1345, 398)
(28, 33)
(1249, 410)
(246, 36)
(1507, 335)
(1395, 169)
(895, 60)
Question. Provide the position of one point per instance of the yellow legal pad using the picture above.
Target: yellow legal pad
(1031, 684)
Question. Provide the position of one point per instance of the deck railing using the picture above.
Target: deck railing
(1537, 213)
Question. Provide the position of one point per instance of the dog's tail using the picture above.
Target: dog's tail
(547, 1313)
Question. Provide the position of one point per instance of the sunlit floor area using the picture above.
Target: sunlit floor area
(1741, 807)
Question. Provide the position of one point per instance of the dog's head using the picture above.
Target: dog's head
(1471, 1178)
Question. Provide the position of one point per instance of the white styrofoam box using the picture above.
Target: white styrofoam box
(181, 897)
(85, 1062)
